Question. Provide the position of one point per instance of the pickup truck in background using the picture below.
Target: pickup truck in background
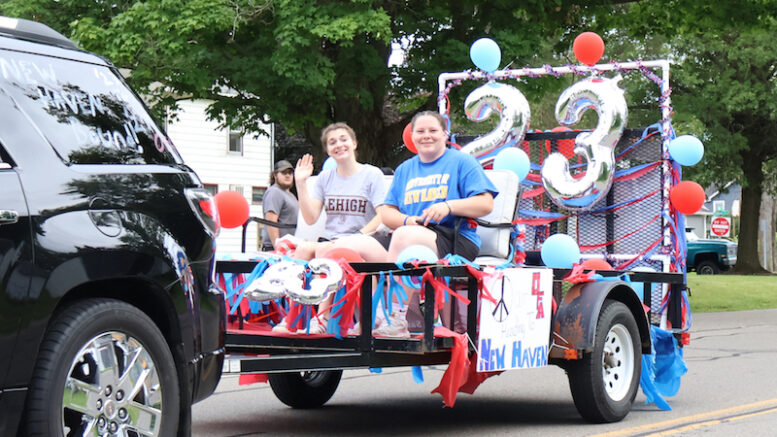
(709, 256)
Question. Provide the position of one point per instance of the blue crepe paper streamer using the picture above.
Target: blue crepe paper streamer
(333, 325)
(662, 369)
(418, 374)
(376, 370)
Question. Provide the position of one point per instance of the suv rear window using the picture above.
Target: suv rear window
(85, 111)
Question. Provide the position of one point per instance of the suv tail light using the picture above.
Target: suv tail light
(204, 206)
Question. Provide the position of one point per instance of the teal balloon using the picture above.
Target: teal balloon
(485, 54)
(513, 159)
(560, 251)
(417, 252)
(686, 149)
(329, 163)
(639, 287)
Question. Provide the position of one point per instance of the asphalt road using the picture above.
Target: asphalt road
(729, 390)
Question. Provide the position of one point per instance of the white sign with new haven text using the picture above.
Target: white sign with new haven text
(515, 331)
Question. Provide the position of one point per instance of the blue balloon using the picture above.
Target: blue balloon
(639, 287)
(329, 163)
(417, 252)
(412, 253)
(560, 251)
(485, 54)
(686, 149)
(513, 159)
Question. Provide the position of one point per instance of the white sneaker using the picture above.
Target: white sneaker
(395, 327)
(316, 327)
(380, 320)
(281, 327)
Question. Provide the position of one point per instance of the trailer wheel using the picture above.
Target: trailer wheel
(305, 389)
(605, 381)
(103, 369)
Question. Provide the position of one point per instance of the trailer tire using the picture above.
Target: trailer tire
(604, 382)
(103, 365)
(305, 389)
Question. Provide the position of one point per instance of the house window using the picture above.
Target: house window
(718, 205)
(257, 194)
(235, 142)
(236, 188)
(211, 188)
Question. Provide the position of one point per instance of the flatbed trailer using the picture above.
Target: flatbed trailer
(313, 360)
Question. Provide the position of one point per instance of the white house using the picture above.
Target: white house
(224, 161)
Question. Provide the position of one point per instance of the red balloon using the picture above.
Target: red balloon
(596, 264)
(407, 138)
(565, 147)
(344, 253)
(687, 197)
(588, 48)
(233, 209)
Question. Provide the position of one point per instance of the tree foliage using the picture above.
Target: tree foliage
(724, 90)
(303, 63)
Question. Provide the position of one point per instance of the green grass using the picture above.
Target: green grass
(714, 293)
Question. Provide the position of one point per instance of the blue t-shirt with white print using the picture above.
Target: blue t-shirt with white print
(454, 175)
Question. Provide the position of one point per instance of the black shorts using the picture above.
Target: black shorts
(445, 242)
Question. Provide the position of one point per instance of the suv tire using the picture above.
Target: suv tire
(103, 367)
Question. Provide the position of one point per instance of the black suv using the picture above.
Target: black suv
(110, 322)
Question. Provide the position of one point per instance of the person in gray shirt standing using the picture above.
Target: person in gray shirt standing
(279, 204)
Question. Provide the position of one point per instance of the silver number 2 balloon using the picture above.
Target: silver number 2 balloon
(597, 147)
(514, 116)
(287, 278)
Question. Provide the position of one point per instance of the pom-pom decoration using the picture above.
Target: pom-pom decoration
(588, 48)
(233, 209)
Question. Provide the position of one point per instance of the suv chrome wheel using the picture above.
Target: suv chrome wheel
(112, 388)
(111, 368)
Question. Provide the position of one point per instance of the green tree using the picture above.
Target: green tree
(302, 63)
(723, 90)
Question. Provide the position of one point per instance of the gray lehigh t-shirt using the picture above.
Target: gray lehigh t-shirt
(285, 205)
(349, 202)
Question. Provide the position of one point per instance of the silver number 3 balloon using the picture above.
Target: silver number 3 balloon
(327, 278)
(597, 147)
(514, 116)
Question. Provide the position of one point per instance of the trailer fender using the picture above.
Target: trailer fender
(574, 324)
